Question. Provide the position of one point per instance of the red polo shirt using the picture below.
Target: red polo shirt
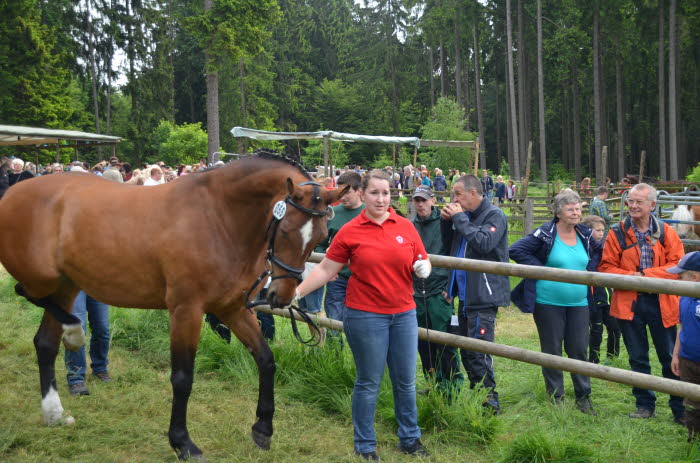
(381, 260)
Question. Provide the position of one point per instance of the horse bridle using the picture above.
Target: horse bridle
(278, 212)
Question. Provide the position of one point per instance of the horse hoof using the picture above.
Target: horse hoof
(261, 440)
(73, 337)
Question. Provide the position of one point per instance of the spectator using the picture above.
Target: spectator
(409, 183)
(113, 170)
(474, 228)
(5, 168)
(434, 307)
(643, 246)
(350, 207)
(382, 249)
(599, 207)
(487, 185)
(585, 187)
(500, 189)
(127, 172)
(155, 177)
(599, 306)
(440, 184)
(560, 309)
(686, 352)
(18, 173)
(425, 180)
(511, 190)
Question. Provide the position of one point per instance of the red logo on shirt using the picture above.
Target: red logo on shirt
(492, 229)
(399, 239)
(482, 331)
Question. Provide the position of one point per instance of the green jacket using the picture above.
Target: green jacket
(429, 232)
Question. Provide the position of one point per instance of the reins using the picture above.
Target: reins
(278, 212)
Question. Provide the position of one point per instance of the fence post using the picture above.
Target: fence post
(529, 216)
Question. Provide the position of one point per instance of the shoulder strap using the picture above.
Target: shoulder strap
(621, 236)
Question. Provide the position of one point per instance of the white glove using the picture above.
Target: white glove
(422, 268)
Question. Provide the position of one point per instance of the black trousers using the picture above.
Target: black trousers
(568, 325)
(599, 318)
(478, 324)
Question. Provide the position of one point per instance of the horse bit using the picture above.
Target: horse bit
(278, 212)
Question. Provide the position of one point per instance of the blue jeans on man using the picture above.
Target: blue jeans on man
(377, 340)
(97, 313)
(634, 333)
(335, 304)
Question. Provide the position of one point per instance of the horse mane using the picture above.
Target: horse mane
(273, 155)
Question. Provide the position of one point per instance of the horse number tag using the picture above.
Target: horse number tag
(279, 210)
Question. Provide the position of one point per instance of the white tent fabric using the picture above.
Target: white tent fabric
(335, 136)
(11, 135)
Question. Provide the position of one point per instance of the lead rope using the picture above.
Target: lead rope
(427, 329)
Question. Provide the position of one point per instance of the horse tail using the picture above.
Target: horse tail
(54, 309)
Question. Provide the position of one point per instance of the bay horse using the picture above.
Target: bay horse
(123, 245)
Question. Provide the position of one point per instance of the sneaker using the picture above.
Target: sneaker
(414, 448)
(491, 407)
(78, 389)
(371, 456)
(103, 376)
(586, 407)
(642, 413)
(557, 400)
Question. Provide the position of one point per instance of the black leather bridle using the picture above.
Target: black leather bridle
(278, 213)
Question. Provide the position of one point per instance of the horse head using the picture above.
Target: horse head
(298, 225)
(684, 214)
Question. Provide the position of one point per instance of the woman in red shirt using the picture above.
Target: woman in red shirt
(382, 250)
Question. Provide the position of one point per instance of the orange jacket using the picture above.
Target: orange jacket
(626, 262)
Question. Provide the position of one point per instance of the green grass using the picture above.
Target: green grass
(126, 420)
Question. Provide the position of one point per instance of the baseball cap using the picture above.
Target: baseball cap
(424, 192)
(690, 261)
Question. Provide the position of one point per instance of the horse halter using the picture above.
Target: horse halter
(278, 213)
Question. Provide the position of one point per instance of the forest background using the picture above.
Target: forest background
(581, 75)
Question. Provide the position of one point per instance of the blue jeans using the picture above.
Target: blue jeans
(335, 303)
(97, 313)
(312, 302)
(634, 333)
(377, 340)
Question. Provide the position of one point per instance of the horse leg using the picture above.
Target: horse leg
(185, 326)
(244, 325)
(46, 343)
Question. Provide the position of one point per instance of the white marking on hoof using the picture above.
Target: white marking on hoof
(306, 231)
(52, 409)
(73, 337)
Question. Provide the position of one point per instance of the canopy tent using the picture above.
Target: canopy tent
(328, 135)
(16, 135)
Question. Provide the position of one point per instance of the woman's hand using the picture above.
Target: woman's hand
(422, 268)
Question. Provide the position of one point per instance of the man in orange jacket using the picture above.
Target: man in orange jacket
(650, 247)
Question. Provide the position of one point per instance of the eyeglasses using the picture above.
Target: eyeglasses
(634, 202)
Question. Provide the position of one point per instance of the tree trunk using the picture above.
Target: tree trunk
(515, 167)
(431, 63)
(443, 75)
(597, 119)
(212, 101)
(466, 94)
(672, 107)
(497, 99)
(576, 122)
(540, 96)
(620, 118)
(477, 85)
(458, 56)
(509, 125)
(662, 93)
(523, 136)
(242, 145)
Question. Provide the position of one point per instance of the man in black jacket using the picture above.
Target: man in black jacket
(474, 228)
(433, 305)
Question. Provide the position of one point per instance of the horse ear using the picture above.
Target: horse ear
(339, 193)
(290, 186)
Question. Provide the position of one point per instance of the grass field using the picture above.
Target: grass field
(126, 420)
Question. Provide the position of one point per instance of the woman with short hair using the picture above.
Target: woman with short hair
(561, 310)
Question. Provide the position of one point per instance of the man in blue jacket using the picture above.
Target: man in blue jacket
(474, 228)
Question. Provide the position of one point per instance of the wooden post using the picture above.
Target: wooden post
(604, 163)
(642, 161)
(558, 188)
(75, 150)
(326, 142)
(58, 150)
(529, 218)
(393, 158)
(415, 156)
(526, 180)
(476, 158)
(574, 186)
(330, 159)
(114, 150)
